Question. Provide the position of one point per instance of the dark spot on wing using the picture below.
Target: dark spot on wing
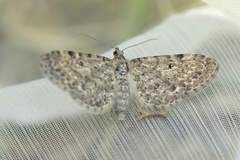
(180, 56)
(81, 63)
(55, 53)
(71, 53)
(115, 53)
(58, 70)
(170, 65)
(89, 55)
(174, 87)
(198, 72)
(137, 60)
(104, 59)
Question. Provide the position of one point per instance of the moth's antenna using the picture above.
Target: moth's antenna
(139, 43)
(97, 40)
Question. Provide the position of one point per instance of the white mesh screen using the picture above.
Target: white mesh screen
(39, 121)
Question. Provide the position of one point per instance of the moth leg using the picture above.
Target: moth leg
(147, 114)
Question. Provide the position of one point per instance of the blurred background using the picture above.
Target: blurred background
(29, 28)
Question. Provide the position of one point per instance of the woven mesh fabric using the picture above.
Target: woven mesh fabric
(228, 7)
(39, 121)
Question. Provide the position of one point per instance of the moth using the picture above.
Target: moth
(101, 84)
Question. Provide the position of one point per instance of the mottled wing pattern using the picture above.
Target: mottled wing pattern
(162, 81)
(88, 78)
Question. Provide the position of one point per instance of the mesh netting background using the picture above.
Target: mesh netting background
(39, 121)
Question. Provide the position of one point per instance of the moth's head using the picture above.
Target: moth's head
(118, 53)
